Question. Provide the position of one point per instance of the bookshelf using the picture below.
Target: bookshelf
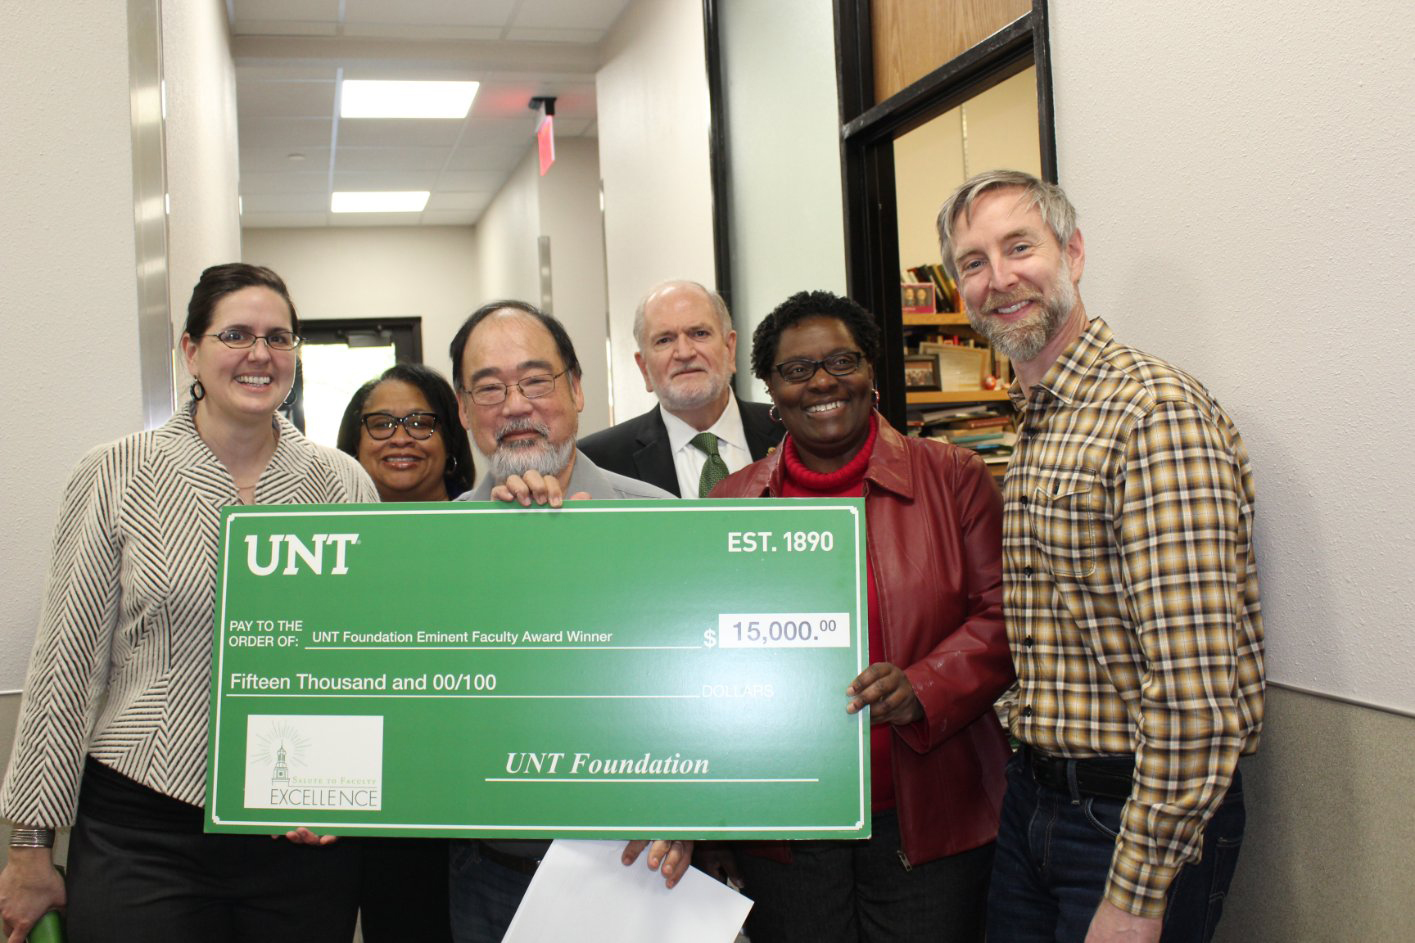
(936, 398)
(978, 419)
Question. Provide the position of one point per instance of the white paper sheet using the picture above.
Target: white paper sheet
(582, 892)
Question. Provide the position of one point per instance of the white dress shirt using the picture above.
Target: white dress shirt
(688, 459)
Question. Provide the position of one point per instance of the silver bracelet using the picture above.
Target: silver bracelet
(32, 838)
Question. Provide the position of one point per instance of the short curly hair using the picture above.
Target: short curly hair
(812, 304)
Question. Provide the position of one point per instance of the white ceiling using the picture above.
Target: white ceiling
(295, 150)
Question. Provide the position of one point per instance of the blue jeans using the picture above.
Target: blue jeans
(483, 894)
(1054, 852)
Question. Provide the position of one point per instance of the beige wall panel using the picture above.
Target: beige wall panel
(914, 37)
(996, 129)
(1330, 844)
(928, 164)
(1000, 127)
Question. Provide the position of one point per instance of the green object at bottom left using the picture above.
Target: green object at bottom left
(605, 670)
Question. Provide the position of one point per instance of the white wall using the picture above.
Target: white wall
(430, 272)
(570, 216)
(508, 258)
(203, 227)
(1243, 179)
(68, 284)
(783, 119)
(652, 99)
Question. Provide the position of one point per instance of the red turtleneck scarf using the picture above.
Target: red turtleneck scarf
(849, 482)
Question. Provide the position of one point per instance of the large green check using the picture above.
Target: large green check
(611, 669)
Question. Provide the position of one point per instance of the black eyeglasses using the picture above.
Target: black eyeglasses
(837, 365)
(493, 393)
(239, 339)
(419, 425)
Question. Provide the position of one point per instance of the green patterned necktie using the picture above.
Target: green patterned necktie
(715, 469)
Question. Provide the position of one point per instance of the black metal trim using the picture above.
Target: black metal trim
(1046, 101)
(1000, 56)
(719, 152)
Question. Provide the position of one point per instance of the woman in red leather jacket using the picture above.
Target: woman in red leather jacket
(938, 650)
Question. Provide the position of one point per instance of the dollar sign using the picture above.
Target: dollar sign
(710, 638)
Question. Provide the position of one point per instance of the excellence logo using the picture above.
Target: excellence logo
(314, 762)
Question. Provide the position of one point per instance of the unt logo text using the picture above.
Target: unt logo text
(297, 551)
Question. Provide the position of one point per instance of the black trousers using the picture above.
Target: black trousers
(128, 883)
(403, 897)
(853, 891)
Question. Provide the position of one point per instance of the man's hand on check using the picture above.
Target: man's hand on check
(670, 858)
(534, 488)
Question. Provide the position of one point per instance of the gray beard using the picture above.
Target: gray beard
(678, 403)
(542, 457)
(1024, 341)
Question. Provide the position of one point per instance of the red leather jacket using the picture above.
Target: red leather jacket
(933, 525)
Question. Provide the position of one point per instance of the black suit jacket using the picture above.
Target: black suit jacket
(639, 448)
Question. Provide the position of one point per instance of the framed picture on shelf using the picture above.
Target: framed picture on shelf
(921, 373)
(959, 368)
(917, 297)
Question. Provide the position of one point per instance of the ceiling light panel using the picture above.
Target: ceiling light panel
(364, 98)
(378, 201)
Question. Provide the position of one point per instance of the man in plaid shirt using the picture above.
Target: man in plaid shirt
(1131, 595)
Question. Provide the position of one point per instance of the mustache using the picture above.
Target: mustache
(996, 300)
(523, 424)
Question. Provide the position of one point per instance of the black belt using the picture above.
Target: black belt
(1100, 777)
(508, 861)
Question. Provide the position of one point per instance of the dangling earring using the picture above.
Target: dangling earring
(773, 413)
(198, 391)
(876, 399)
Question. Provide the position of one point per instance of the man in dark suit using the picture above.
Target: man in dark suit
(699, 432)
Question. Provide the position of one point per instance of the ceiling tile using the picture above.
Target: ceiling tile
(274, 183)
(285, 99)
(475, 156)
(596, 15)
(284, 71)
(290, 133)
(285, 202)
(390, 158)
(277, 160)
(477, 181)
(501, 132)
(387, 180)
(266, 27)
(376, 132)
(287, 9)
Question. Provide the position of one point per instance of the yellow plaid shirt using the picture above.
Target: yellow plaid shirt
(1131, 594)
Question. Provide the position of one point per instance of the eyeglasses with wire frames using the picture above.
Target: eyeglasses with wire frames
(240, 339)
(419, 425)
(837, 365)
(494, 392)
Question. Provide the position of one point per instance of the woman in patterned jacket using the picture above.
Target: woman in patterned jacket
(113, 727)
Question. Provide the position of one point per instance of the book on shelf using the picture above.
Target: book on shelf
(945, 290)
(964, 411)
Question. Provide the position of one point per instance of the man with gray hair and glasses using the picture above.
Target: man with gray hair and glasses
(519, 395)
(1131, 595)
